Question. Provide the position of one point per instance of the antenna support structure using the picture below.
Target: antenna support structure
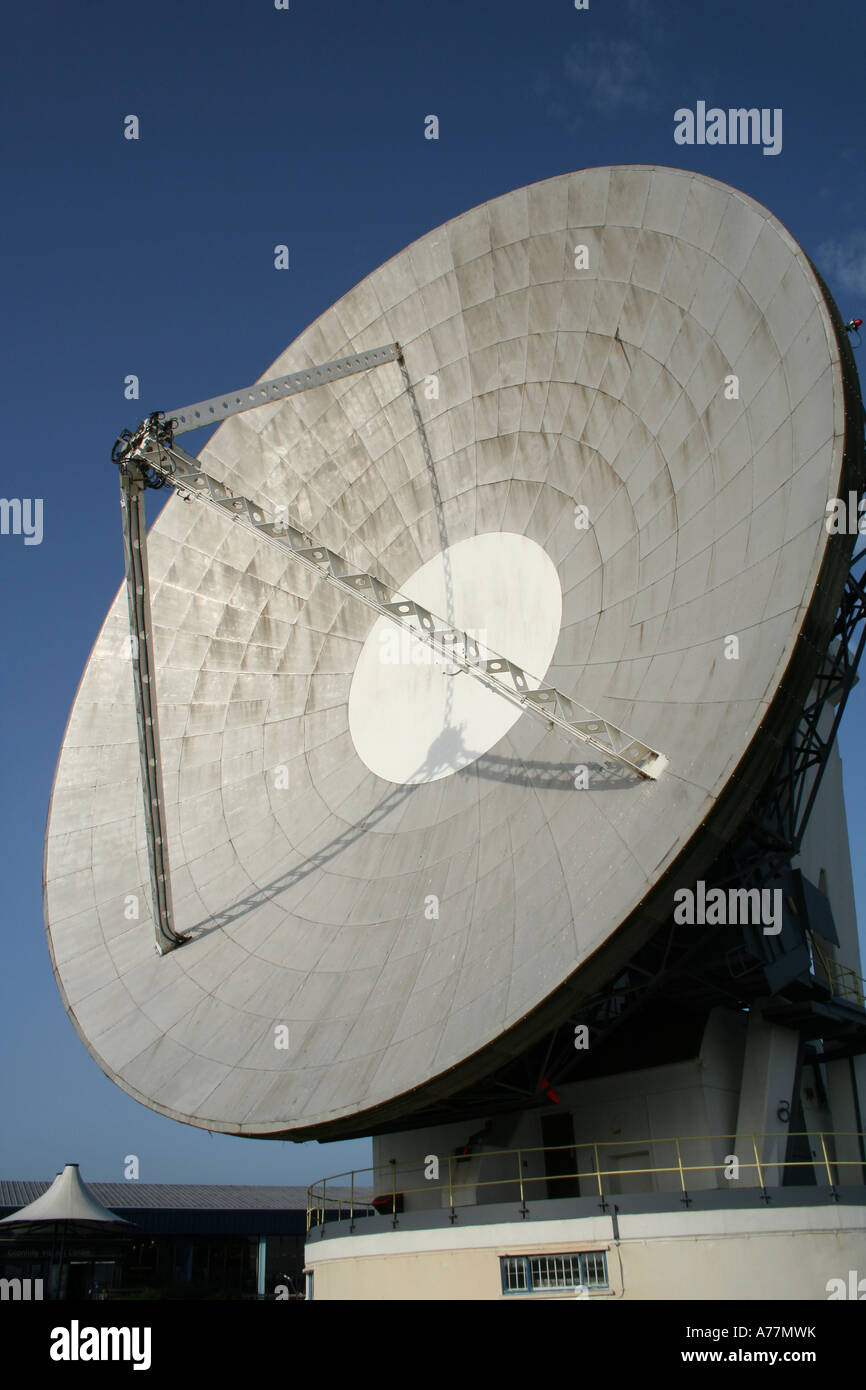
(149, 458)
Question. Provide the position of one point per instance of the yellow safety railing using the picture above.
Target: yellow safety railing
(842, 980)
(385, 1185)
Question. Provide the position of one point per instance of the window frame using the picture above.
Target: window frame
(528, 1290)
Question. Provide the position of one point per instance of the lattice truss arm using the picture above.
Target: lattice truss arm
(577, 724)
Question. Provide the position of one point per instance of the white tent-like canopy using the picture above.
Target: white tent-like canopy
(67, 1199)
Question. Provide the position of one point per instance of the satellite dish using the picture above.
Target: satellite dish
(632, 391)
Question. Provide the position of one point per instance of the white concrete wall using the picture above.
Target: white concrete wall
(760, 1254)
(769, 1073)
(619, 1114)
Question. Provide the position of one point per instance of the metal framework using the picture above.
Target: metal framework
(778, 819)
(150, 458)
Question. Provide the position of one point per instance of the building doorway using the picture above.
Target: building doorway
(560, 1155)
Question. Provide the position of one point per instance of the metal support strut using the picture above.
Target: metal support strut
(132, 489)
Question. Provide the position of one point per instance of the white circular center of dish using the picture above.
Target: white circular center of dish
(410, 718)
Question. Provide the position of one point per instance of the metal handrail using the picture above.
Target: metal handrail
(843, 980)
(320, 1205)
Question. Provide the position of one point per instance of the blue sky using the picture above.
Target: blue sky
(155, 257)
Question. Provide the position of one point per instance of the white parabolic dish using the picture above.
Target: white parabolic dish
(407, 932)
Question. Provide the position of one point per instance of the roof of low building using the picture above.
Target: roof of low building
(177, 1196)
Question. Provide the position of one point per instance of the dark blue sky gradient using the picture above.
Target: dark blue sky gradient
(155, 257)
